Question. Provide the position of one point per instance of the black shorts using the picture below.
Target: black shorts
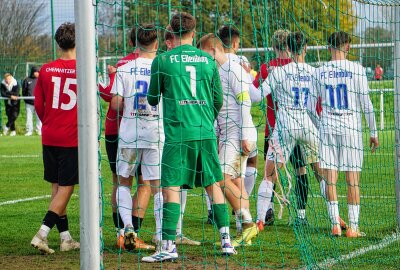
(112, 150)
(296, 157)
(61, 165)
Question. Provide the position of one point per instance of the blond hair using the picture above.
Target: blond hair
(279, 39)
(6, 75)
(210, 40)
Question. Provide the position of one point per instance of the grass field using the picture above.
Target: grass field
(278, 247)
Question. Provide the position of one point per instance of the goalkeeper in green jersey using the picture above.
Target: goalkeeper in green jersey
(188, 81)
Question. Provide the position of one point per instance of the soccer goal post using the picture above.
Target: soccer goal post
(396, 58)
(87, 135)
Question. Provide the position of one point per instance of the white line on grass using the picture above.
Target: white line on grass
(25, 200)
(19, 156)
(29, 199)
(386, 241)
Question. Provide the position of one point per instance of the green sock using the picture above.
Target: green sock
(221, 216)
(171, 212)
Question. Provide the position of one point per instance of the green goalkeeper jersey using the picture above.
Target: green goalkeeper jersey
(188, 80)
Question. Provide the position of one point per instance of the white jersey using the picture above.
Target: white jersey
(234, 119)
(344, 90)
(290, 86)
(141, 125)
(240, 59)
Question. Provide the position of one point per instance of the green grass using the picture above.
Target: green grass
(278, 247)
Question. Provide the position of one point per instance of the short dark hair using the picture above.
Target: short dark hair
(226, 33)
(146, 34)
(183, 23)
(338, 39)
(168, 33)
(132, 36)
(65, 36)
(296, 42)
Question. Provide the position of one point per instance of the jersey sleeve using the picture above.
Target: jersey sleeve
(261, 76)
(118, 84)
(366, 104)
(105, 91)
(313, 100)
(241, 91)
(217, 92)
(39, 96)
(154, 94)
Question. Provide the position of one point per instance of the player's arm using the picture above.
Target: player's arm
(117, 90)
(105, 91)
(39, 101)
(217, 93)
(154, 94)
(261, 76)
(242, 95)
(368, 109)
(312, 102)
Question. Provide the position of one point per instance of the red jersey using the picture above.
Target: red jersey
(55, 103)
(105, 93)
(271, 107)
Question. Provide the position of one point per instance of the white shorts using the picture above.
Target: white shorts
(284, 141)
(232, 161)
(341, 152)
(128, 160)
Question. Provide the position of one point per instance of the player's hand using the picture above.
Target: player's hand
(245, 148)
(373, 144)
(246, 67)
(111, 69)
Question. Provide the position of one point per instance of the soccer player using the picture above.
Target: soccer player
(55, 104)
(230, 38)
(188, 81)
(141, 136)
(290, 85)
(237, 137)
(111, 140)
(180, 238)
(343, 87)
(279, 43)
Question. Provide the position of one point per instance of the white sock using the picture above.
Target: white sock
(250, 179)
(65, 236)
(183, 207)
(225, 237)
(322, 188)
(301, 213)
(238, 220)
(354, 215)
(168, 245)
(124, 203)
(265, 191)
(158, 213)
(333, 211)
(44, 231)
(208, 202)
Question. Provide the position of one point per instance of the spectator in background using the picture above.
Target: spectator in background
(378, 72)
(27, 91)
(10, 90)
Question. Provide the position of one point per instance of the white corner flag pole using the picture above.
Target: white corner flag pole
(87, 135)
(396, 59)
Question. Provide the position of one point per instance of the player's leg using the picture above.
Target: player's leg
(111, 143)
(329, 150)
(301, 187)
(30, 110)
(251, 172)
(60, 169)
(270, 215)
(182, 239)
(352, 163)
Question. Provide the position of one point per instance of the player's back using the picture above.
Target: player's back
(290, 87)
(187, 78)
(340, 84)
(140, 125)
(57, 86)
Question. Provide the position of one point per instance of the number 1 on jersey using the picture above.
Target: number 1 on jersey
(192, 72)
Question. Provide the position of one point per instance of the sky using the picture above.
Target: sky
(369, 15)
